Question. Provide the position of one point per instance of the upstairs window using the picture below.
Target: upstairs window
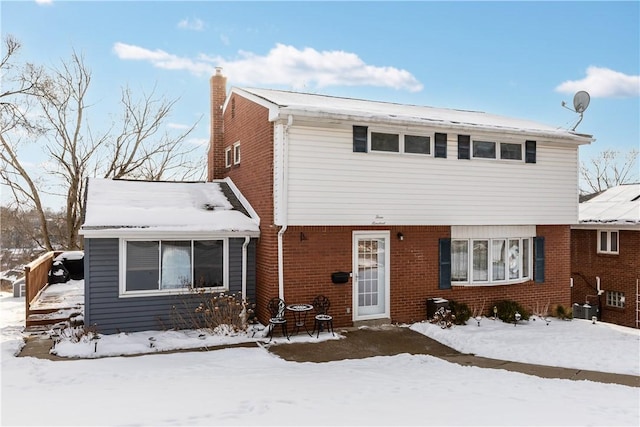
(227, 157)
(608, 241)
(385, 142)
(236, 153)
(390, 142)
(493, 150)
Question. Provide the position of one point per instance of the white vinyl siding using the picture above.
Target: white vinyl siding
(328, 184)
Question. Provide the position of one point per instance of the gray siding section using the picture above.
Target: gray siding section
(112, 314)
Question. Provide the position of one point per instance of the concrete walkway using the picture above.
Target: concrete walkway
(382, 341)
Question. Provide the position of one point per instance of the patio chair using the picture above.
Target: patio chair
(321, 306)
(276, 307)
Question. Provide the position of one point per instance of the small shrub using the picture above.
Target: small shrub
(461, 312)
(562, 313)
(507, 311)
(219, 313)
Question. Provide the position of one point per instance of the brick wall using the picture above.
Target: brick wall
(617, 273)
(247, 123)
(414, 271)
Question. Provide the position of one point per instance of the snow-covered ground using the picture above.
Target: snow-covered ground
(250, 386)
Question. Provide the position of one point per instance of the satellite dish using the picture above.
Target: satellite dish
(581, 101)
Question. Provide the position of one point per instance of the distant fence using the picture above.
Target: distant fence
(36, 276)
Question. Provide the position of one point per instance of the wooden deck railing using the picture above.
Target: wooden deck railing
(36, 277)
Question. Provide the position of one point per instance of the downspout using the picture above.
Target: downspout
(281, 262)
(283, 206)
(247, 239)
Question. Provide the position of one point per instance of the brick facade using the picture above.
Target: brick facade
(617, 273)
(309, 262)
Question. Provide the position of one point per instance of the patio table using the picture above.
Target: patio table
(300, 316)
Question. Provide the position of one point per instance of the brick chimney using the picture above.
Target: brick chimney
(215, 157)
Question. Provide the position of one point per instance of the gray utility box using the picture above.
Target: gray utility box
(584, 311)
(433, 304)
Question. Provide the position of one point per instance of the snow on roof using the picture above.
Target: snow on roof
(616, 205)
(162, 207)
(389, 112)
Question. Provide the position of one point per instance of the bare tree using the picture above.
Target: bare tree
(608, 169)
(137, 146)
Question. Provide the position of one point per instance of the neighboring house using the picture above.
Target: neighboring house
(605, 254)
(150, 246)
(410, 202)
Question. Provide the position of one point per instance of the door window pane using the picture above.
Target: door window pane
(142, 266)
(481, 260)
(176, 264)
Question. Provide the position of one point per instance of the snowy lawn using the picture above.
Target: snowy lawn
(250, 386)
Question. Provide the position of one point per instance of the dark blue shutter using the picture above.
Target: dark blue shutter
(445, 263)
(538, 268)
(441, 145)
(529, 151)
(360, 139)
(464, 147)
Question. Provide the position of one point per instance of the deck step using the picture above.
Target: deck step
(48, 317)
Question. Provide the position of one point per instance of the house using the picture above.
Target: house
(149, 248)
(605, 255)
(381, 206)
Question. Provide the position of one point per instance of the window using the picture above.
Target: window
(615, 299)
(484, 149)
(507, 151)
(385, 142)
(166, 265)
(415, 144)
(491, 260)
(510, 151)
(227, 157)
(608, 241)
(236, 153)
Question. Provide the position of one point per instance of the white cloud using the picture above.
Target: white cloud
(45, 2)
(603, 83)
(191, 24)
(283, 65)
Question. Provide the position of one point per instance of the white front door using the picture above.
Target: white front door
(371, 271)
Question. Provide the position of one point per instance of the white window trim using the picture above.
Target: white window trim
(608, 250)
(490, 281)
(123, 293)
(227, 157)
(236, 153)
(401, 148)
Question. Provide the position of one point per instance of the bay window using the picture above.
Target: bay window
(494, 260)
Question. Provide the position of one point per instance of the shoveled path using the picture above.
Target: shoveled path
(392, 340)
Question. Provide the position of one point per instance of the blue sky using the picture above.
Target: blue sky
(519, 59)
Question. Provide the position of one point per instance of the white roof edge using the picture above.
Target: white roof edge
(129, 232)
(284, 113)
(277, 112)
